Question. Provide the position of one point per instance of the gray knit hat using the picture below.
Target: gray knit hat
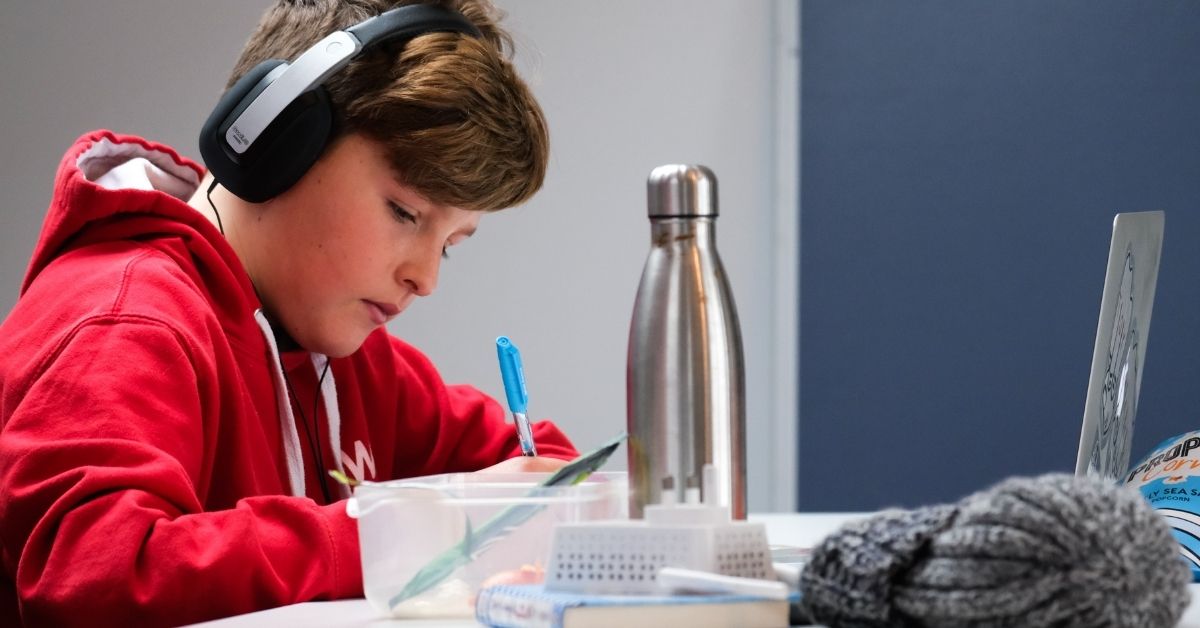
(1055, 550)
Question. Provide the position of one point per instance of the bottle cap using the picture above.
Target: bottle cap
(681, 191)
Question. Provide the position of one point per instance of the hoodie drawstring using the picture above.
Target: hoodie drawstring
(287, 420)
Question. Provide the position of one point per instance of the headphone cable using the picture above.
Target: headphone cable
(313, 444)
(212, 187)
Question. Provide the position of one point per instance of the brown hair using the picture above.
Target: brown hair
(455, 120)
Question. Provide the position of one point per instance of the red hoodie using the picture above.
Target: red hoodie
(151, 467)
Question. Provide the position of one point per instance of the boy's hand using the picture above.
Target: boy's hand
(526, 463)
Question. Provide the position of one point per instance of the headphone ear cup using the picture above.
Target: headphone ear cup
(284, 151)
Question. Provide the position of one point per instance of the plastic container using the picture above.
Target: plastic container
(403, 525)
(624, 557)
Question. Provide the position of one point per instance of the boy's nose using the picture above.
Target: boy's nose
(420, 272)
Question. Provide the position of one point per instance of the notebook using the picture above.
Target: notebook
(531, 606)
(1120, 350)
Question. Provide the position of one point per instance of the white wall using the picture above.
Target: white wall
(626, 85)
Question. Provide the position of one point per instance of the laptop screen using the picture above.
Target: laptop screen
(1120, 350)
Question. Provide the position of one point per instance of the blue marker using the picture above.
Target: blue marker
(514, 388)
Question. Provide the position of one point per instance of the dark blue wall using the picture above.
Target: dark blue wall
(961, 162)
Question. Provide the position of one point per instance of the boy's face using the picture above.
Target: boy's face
(348, 248)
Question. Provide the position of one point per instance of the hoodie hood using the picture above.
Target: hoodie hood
(119, 187)
(114, 187)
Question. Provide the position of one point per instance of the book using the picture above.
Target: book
(532, 606)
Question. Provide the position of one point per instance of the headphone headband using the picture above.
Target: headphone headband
(405, 23)
(308, 70)
(333, 53)
(255, 111)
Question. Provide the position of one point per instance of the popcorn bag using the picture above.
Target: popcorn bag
(1169, 478)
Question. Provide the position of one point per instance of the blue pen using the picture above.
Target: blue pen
(514, 388)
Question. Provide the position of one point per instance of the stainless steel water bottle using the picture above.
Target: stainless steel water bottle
(685, 381)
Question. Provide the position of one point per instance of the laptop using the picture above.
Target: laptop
(1120, 351)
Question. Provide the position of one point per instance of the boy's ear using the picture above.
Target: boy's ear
(287, 148)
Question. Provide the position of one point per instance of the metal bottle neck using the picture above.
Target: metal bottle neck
(703, 229)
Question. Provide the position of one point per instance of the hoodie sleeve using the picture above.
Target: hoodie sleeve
(461, 429)
(103, 466)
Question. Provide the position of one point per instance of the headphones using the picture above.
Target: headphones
(275, 121)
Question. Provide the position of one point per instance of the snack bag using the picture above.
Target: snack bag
(1169, 478)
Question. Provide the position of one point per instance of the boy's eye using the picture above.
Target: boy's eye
(401, 214)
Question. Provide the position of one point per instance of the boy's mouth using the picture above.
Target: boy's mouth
(381, 312)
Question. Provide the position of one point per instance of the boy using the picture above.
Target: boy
(186, 364)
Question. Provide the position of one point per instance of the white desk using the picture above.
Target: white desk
(802, 530)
